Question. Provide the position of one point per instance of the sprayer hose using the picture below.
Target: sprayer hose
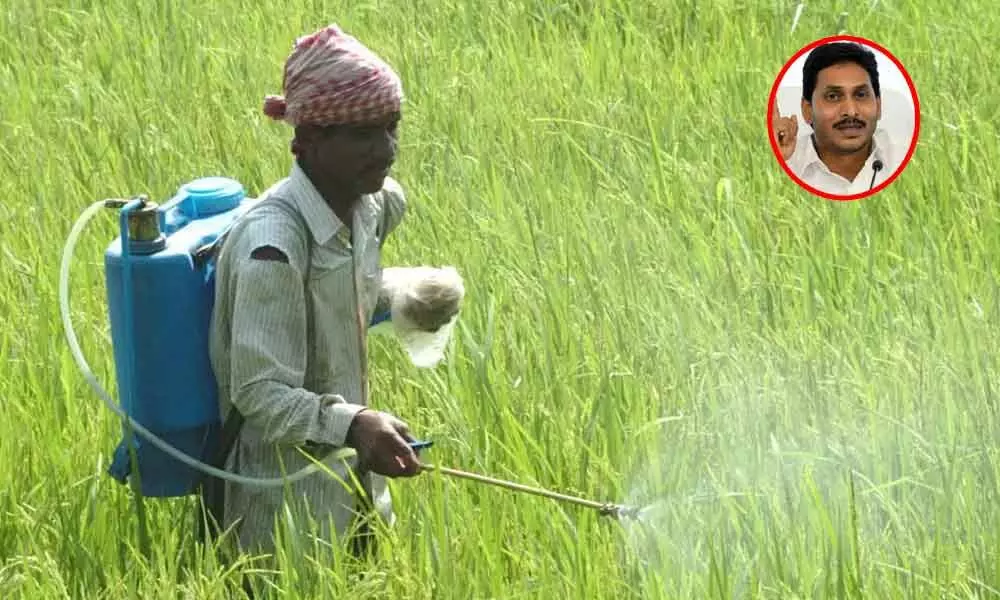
(81, 362)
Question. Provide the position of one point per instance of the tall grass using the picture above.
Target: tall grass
(803, 393)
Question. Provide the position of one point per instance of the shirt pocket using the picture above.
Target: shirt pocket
(331, 290)
(333, 323)
(329, 262)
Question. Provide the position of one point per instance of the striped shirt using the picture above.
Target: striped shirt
(288, 350)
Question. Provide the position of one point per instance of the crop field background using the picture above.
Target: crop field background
(802, 393)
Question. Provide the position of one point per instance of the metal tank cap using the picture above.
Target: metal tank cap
(144, 227)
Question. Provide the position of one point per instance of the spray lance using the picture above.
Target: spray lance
(604, 509)
(161, 288)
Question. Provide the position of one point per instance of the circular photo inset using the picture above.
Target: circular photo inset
(843, 118)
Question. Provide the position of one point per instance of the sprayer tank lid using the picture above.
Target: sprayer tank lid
(210, 195)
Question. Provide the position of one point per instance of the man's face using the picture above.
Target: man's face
(356, 157)
(844, 109)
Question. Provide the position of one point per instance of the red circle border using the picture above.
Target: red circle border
(774, 142)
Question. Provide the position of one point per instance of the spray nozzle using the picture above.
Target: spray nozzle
(619, 511)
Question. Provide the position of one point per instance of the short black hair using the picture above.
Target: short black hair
(836, 53)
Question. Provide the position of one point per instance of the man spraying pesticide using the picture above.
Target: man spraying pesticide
(240, 324)
(298, 280)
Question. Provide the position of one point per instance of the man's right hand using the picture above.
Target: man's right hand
(785, 131)
(382, 443)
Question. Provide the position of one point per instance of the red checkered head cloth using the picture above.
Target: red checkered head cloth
(331, 78)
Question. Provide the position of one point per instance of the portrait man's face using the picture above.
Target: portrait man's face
(844, 109)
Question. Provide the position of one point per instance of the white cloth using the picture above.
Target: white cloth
(806, 164)
(291, 355)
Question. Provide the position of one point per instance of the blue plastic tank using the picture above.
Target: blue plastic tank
(164, 375)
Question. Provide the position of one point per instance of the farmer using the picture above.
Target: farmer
(298, 281)
(842, 102)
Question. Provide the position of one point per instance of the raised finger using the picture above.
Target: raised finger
(781, 130)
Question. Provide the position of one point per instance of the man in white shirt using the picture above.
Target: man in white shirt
(847, 153)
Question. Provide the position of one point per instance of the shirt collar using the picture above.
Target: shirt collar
(809, 159)
(323, 223)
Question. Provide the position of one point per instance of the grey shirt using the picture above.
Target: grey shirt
(288, 349)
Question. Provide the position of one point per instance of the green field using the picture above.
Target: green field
(803, 392)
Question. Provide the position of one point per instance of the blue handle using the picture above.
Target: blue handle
(421, 444)
(380, 318)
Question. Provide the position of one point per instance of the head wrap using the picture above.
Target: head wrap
(331, 78)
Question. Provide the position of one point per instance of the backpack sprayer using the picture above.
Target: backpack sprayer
(160, 275)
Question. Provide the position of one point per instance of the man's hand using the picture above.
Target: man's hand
(382, 442)
(785, 130)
